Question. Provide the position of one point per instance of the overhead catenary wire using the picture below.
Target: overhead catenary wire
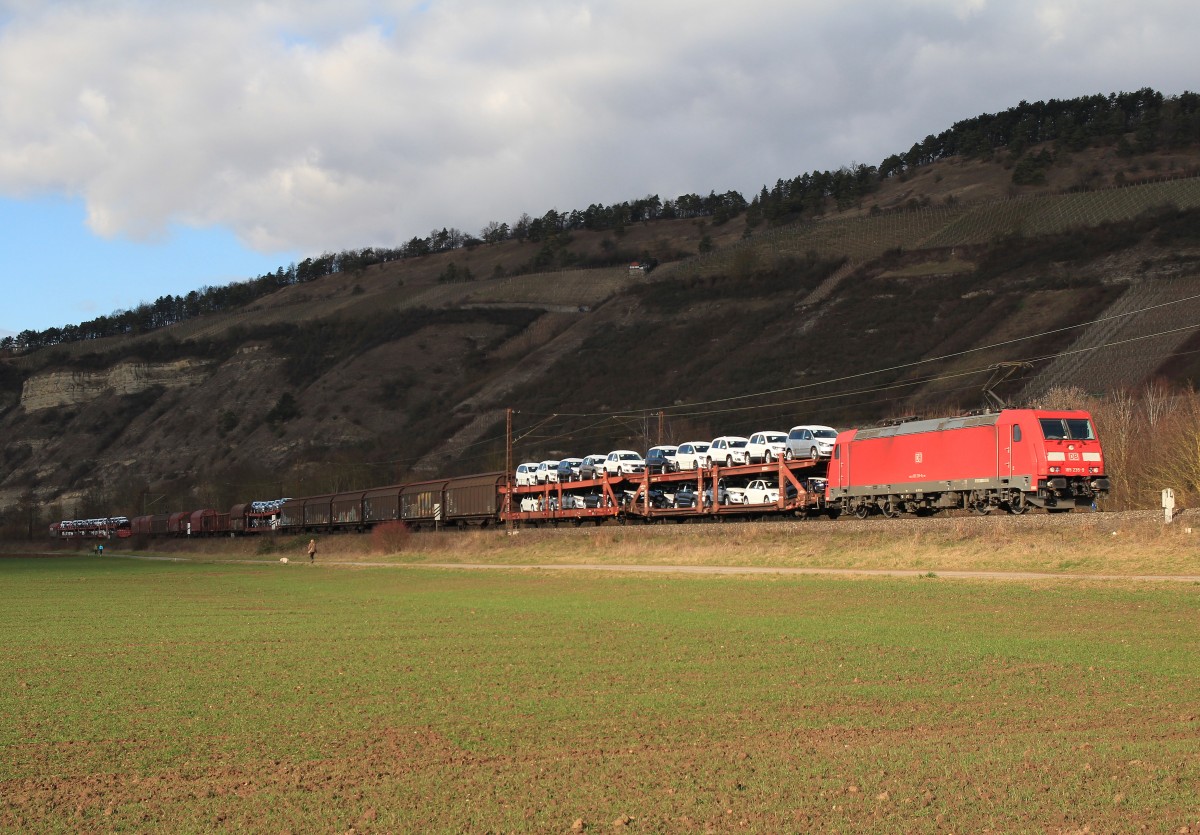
(672, 409)
(626, 416)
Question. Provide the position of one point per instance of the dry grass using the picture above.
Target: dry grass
(1124, 544)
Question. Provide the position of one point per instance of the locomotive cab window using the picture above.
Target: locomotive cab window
(1053, 429)
(1079, 429)
(1061, 429)
(1016, 433)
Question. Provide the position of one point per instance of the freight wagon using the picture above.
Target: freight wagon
(105, 527)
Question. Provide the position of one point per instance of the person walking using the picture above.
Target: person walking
(312, 551)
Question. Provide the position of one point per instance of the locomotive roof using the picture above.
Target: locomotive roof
(914, 427)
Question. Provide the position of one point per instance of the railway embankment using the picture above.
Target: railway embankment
(1135, 545)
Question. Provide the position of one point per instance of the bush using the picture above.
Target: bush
(389, 537)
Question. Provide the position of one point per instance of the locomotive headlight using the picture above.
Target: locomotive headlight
(1093, 469)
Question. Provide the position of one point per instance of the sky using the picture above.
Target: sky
(152, 147)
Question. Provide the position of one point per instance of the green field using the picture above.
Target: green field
(193, 697)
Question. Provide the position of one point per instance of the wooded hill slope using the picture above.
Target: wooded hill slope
(402, 370)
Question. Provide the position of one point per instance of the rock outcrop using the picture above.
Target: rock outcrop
(69, 388)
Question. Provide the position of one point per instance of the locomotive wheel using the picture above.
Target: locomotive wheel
(1018, 508)
(891, 511)
(981, 508)
(862, 511)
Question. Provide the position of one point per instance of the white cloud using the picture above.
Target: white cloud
(312, 125)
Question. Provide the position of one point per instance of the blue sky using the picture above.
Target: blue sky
(151, 147)
(56, 272)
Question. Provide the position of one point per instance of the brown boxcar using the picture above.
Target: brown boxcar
(237, 517)
(141, 525)
(347, 509)
(473, 499)
(177, 523)
(208, 522)
(422, 502)
(291, 515)
(318, 511)
(381, 504)
(160, 524)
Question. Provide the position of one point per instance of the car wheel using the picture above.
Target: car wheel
(788, 454)
(728, 460)
(769, 457)
(813, 453)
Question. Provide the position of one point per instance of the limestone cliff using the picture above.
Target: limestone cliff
(69, 388)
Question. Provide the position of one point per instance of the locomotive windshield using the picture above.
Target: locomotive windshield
(1062, 429)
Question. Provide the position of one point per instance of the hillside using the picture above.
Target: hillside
(392, 372)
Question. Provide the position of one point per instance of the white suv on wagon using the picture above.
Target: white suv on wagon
(728, 451)
(690, 455)
(766, 446)
(527, 474)
(624, 462)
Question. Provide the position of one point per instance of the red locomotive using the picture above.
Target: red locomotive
(1012, 459)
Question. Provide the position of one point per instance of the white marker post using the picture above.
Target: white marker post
(1168, 503)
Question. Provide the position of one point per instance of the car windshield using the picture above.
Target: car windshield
(824, 433)
(776, 439)
(738, 444)
(630, 456)
(701, 447)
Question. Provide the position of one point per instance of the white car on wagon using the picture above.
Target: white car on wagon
(527, 474)
(767, 446)
(811, 441)
(624, 462)
(547, 471)
(690, 455)
(728, 451)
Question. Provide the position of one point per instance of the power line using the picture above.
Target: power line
(625, 418)
(671, 409)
